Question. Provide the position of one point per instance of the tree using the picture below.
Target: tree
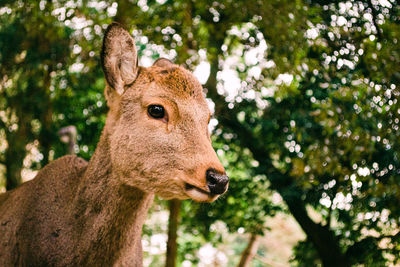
(45, 85)
(314, 115)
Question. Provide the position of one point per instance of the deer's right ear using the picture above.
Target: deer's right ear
(119, 57)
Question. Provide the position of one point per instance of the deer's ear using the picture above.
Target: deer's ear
(119, 57)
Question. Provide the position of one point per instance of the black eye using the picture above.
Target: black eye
(156, 111)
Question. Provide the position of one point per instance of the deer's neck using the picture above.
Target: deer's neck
(111, 214)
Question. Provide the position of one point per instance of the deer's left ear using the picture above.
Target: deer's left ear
(119, 58)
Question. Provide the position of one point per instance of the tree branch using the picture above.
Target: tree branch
(3, 124)
(374, 20)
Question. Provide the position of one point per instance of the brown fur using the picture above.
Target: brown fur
(76, 213)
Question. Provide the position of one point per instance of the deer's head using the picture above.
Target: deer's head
(157, 123)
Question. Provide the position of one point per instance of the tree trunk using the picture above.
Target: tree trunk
(68, 136)
(46, 135)
(15, 153)
(322, 237)
(13, 166)
(172, 245)
(250, 251)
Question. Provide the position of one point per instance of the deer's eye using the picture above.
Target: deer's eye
(156, 111)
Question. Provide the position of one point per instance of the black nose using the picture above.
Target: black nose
(216, 182)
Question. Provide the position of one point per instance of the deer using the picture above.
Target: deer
(155, 142)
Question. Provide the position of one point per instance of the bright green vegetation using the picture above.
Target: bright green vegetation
(305, 95)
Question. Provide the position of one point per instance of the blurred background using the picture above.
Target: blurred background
(306, 119)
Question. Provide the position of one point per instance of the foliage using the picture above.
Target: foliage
(305, 95)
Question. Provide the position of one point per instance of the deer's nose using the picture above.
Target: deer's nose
(216, 182)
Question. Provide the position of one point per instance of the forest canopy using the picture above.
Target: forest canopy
(304, 96)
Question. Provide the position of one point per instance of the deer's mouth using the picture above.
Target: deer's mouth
(199, 194)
